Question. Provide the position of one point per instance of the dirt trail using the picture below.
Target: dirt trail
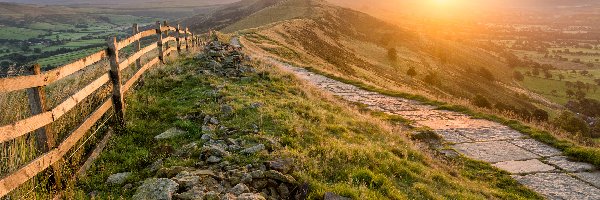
(536, 165)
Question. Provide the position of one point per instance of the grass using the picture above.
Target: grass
(336, 149)
(545, 86)
(14, 33)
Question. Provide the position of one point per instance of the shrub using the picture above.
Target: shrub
(412, 72)
(572, 123)
(517, 75)
(487, 74)
(392, 54)
(540, 115)
(433, 79)
(481, 101)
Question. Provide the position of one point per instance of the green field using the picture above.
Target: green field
(544, 86)
(14, 33)
(66, 58)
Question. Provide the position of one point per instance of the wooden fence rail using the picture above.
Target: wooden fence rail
(42, 116)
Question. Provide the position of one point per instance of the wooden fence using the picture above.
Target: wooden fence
(42, 116)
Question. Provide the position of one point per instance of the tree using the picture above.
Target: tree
(392, 54)
(535, 71)
(517, 75)
(481, 101)
(548, 75)
(411, 72)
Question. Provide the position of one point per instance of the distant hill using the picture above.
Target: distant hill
(227, 14)
(356, 46)
(124, 2)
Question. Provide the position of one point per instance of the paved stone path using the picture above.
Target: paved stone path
(534, 164)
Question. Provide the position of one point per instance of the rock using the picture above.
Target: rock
(240, 188)
(257, 174)
(246, 178)
(171, 133)
(206, 136)
(250, 196)
(193, 194)
(212, 195)
(214, 121)
(259, 184)
(226, 109)
(156, 189)
(186, 179)
(127, 186)
(229, 196)
(187, 150)
(281, 165)
(256, 105)
(118, 179)
(284, 191)
(213, 159)
(156, 165)
(204, 173)
(171, 171)
(332, 196)
(275, 175)
(253, 149)
(214, 150)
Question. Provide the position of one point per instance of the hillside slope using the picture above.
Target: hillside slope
(356, 46)
(226, 14)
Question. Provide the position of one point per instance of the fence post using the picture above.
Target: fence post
(187, 44)
(115, 77)
(138, 46)
(166, 35)
(159, 42)
(44, 137)
(178, 39)
(193, 40)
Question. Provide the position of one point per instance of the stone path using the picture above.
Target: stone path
(534, 164)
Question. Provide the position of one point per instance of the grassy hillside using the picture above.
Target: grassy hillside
(351, 44)
(227, 14)
(335, 148)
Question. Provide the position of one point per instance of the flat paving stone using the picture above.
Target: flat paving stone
(493, 152)
(452, 136)
(524, 167)
(559, 186)
(590, 177)
(563, 163)
(536, 147)
(490, 133)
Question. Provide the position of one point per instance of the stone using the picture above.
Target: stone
(213, 159)
(229, 196)
(186, 179)
(590, 177)
(156, 189)
(536, 147)
(498, 151)
(196, 193)
(246, 178)
(214, 121)
(215, 150)
(212, 195)
(254, 149)
(226, 109)
(275, 175)
(205, 136)
(563, 163)
(333, 196)
(284, 191)
(240, 188)
(256, 105)
(187, 150)
(281, 165)
(170, 133)
(156, 165)
(558, 186)
(171, 171)
(257, 174)
(118, 178)
(521, 167)
(250, 196)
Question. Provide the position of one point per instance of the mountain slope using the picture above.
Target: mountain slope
(226, 15)
(355, 46)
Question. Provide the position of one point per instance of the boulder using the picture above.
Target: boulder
(254, 149)
(213, 159)
(118, 179)
(171, 133)
(156, 189)
(240, 188)
(193, 194)
(275, 175)
(281, 165)
(171, 171)
(186, 179)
